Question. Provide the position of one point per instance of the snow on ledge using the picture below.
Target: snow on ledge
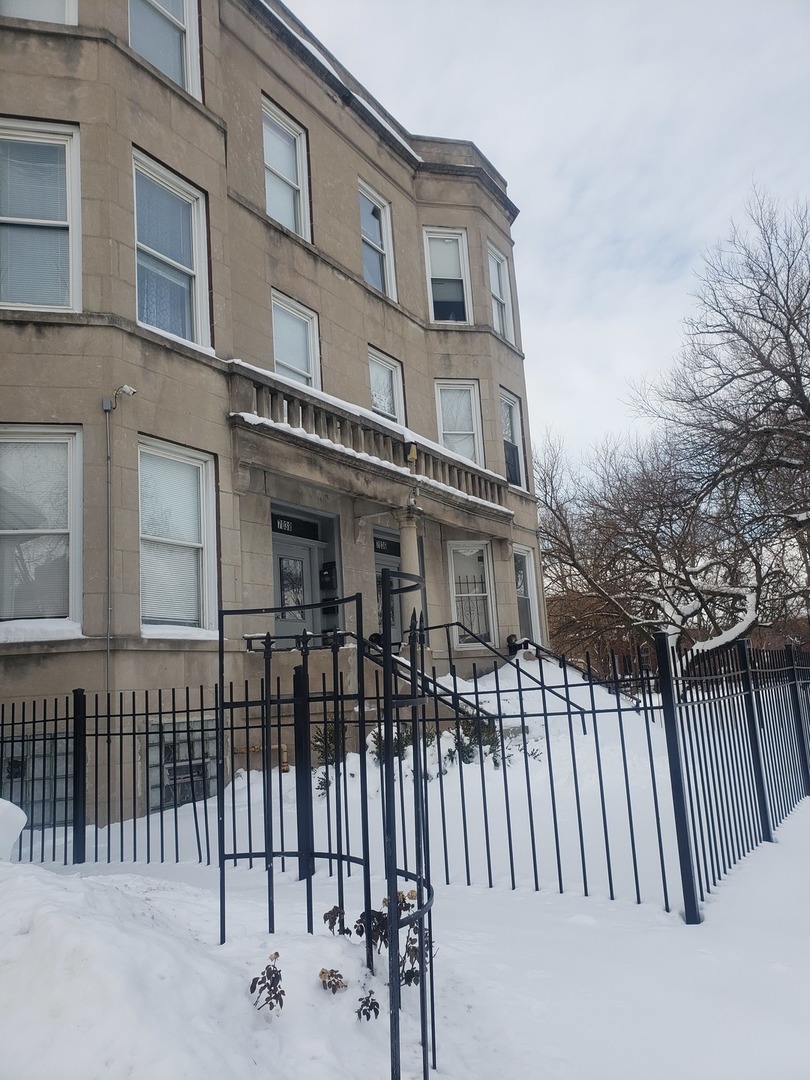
(426, 483)
(324, 61)
(406, 433)
(40, 630)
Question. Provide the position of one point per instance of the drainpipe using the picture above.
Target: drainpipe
(108, 404)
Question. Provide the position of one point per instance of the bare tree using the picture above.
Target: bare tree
(703, 528)
(635, 542)
(737, 401)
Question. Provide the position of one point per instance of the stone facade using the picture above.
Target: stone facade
(314, 402)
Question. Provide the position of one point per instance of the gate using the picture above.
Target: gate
(322, 703)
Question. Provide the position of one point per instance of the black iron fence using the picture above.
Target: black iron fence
(529, 773)
(737, 723)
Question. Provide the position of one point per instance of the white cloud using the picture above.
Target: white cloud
(629, 133)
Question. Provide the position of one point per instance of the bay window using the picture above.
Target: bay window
(459, 418)
(448, 275)
(172, 280)
(177, 537)
(40, 523)
(164, 32)
(39, 217)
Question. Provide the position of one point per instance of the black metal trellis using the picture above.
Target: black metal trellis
(317, 705)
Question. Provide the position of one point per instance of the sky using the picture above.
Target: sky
(113, 971)
(630, 134)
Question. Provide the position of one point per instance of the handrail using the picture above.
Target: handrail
(447, 627)
(448, 696)
(587, 673)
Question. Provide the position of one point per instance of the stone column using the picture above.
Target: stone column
(408, 521)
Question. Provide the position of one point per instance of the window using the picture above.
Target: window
(57, 11)
(459, 415)
(526, 593)
(40, 523)
(39, 217)
(178, 576)
(502, 318)
(295, 341)
(448, 278)
(285, 171)
(377, 241)
(512, 439)
(164, 32)
(471, 572)
(172, 281)
(386, 386)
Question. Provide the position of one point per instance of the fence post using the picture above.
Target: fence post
(390, 831)
(79, 775)
(757, 763)
(797, 715)
(303, 774)
(666, 683)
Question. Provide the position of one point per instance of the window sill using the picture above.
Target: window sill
(176, 338)
(40, 630)
(180, 633)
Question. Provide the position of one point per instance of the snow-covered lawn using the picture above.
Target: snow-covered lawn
(115, 974)
(114, 971)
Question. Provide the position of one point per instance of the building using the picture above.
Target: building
(317, 311)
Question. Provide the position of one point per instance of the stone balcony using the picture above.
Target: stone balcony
(286, 410)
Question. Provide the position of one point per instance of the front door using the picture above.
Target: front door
(294, 587)
(386, 555)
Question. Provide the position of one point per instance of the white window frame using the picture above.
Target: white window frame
(310, 318)
(191, 43)
(472, 386)
(514, 402)
(460, 235)
(489, 578)
(387, 249)
(531, 586)
(299, 134)
(55, 626)
(68, 137)
(501, 293)
(70, 18)
(208, 561)
(199, 292)
(394, 366)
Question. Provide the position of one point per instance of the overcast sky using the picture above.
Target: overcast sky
(630, 133)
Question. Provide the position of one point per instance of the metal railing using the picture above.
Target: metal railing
(531, 774)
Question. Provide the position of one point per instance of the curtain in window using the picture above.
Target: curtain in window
(458, 430)
(34, 538)
(282, 182)
(34, 259)
(496, 271)
(446, 279)
(383, 398)
(524, 603)
(291, 344)
(165, 225)
(171, 541)
(157, 38)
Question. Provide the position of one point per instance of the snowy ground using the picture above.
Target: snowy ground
(119, 975)
(115, 972)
